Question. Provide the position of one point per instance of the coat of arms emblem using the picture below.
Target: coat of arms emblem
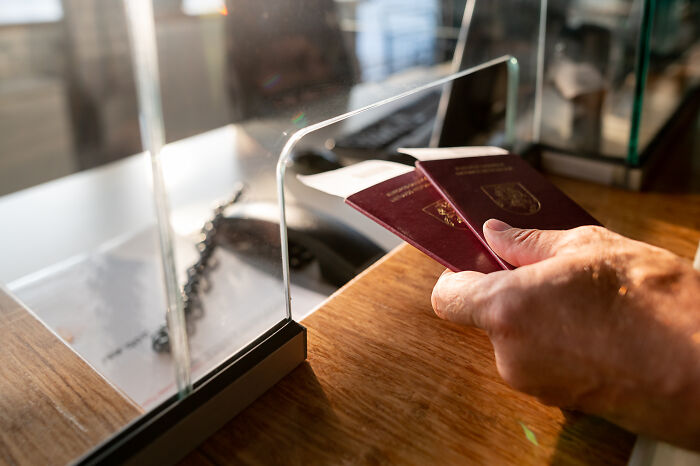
(513, 197)
(443, 211)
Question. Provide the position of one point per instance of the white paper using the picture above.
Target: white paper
(438, 153)
(346, 181)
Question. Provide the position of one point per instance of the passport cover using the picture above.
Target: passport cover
(410, 207)
(504, 187)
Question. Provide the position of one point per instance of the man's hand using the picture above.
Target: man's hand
(590, 320)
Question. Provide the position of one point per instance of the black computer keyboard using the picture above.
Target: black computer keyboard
(412, 123)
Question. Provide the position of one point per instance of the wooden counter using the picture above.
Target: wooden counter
(385, 381)
(53, 406)
(388, 382)
(667, 220)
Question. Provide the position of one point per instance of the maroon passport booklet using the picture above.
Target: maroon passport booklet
(503, 187)
(410, 207)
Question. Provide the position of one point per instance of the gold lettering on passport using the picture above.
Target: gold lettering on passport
(482, 168)
(407, 190)
(443, 211)
(513, 198)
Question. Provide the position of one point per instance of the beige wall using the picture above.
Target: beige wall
(83, 109)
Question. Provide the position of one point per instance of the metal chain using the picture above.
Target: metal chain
(196, 280)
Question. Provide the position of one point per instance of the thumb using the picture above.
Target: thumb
(522, 246)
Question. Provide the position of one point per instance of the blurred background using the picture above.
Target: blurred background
(68, 101)
(67, 95)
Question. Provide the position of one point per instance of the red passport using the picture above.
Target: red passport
(503, 187)
(410, 207)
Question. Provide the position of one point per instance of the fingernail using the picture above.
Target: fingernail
(496, 225)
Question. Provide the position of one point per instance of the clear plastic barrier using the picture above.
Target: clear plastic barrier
(509, 27)
(137, 166)
(615, 73)
(475, 107)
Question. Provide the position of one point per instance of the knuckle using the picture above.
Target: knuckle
(434, 303)
(437, 302)
(590, 233)
(449, 301)
(583, 237)
(459, 298)
(527, 236)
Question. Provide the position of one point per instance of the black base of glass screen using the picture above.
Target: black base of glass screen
(169, 432)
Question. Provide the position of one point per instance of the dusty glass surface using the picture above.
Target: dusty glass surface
(69, 95)
(474, 107)
(81, 242)
(509, 27)
(615, 72)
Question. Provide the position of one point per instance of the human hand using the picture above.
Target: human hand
(590, 320)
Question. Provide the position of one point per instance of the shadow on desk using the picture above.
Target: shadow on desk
(288, 425)
(387, 382)
(675, 156)
(597, 433)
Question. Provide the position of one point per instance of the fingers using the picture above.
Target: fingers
(523, 246)
(464, 297)
(477, 299)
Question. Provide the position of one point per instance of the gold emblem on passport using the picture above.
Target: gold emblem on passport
(513, 197)
(443, 211)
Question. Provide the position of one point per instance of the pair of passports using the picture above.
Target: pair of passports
(440, 207)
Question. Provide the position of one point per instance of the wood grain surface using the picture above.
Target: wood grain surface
(667, 220)
(385, 381)
(53, 406)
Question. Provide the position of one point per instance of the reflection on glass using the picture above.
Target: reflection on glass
(490, 33)
(470, 108)
(143, 45)
(204, 7)
(238, 78)
(608, 64)
(30, 11)
(67, 87)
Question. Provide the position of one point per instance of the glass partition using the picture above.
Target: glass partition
(599, 80)
(137, 170)
(512, 27)
(589, 76)
(671, 73)
(69, 96)
(615, 73)
(474, 107)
